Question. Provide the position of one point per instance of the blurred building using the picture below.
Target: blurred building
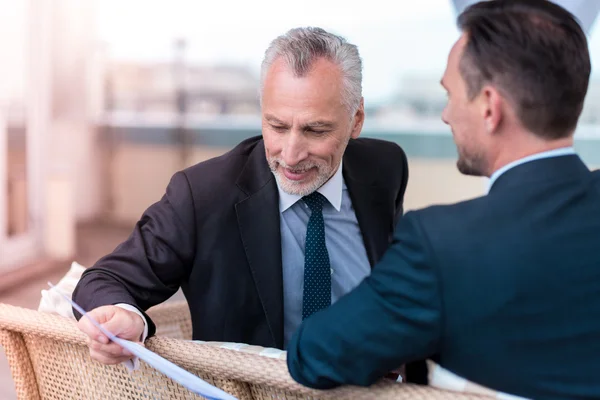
(153, 88)
(87, 138)
(55, 85)
(417, 98)
(421, 97)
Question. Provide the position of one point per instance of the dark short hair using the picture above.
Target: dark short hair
(535, 53)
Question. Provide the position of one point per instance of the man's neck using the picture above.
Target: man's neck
(525, 149)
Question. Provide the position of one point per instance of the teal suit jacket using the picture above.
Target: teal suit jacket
(503, 290)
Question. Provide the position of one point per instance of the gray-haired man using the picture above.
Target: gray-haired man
(276, 229)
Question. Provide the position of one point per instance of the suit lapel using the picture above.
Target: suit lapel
(375, 219)
(258, 221)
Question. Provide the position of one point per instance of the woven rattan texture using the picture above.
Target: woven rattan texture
(49, 360)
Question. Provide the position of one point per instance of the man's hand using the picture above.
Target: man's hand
(123, 323)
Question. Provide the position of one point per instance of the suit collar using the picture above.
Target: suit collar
(552, 169)
(565, 151)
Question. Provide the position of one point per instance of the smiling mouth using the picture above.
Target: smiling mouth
(296, 175)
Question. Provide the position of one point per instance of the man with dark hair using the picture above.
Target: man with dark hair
(503, 290)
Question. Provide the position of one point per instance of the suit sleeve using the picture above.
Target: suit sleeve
(393, 317)
(150, 265)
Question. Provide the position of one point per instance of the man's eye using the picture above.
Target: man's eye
(317, 131)
(278, 128)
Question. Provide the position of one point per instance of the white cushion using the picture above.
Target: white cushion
(52, 302)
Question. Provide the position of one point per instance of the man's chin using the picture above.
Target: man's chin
(297, 189)
(467, 168)
(293, 187)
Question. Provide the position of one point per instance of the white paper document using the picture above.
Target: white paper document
(176, 373)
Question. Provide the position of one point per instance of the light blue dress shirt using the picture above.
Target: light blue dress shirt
(563, 151)
(343, 238)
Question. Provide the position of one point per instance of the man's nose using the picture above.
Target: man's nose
(445, 115)
(294, 149)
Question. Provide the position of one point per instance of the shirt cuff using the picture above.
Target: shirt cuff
(134, 363)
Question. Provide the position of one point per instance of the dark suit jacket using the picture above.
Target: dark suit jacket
(216, 234)
(503, 290)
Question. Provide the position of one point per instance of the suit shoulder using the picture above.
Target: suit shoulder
(381, 155)
(453, 215)
(380, 162)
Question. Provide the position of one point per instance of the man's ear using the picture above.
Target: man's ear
(491, 102)
(358, 120)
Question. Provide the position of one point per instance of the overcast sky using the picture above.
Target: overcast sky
(394, 38)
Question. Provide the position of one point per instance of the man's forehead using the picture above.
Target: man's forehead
(457, 49)
(454, 57)
(280, 64)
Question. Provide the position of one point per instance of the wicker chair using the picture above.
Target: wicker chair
(49, 359)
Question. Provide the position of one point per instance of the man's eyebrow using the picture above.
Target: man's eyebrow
(272, 119)
(313, 124)
(320, 124)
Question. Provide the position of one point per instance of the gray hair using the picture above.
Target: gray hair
(300, 47)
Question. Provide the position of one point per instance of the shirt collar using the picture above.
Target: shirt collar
(563, 151)
(332, 190)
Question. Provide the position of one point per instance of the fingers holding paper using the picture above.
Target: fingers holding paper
(122, 323)
(108, 354)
